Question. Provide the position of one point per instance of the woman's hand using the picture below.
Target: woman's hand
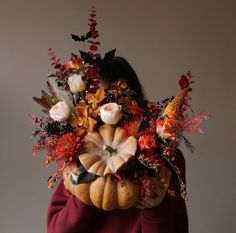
(159, 188)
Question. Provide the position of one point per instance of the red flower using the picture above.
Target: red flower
(74, 63)
(131, 128)
(146, 142)
(67, 147)
(135, 110)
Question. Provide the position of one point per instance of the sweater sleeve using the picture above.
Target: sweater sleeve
(179, 211)
(171, 215)
(66, 213)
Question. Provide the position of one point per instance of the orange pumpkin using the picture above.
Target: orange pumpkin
(105, 152)
(105, 193)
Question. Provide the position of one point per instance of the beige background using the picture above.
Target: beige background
(162, 39)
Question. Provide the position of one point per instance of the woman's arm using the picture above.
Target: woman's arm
(179, 211)
(67, 214)
(171, 215)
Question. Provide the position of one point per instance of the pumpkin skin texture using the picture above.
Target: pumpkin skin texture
(107, 150)
(105, 193)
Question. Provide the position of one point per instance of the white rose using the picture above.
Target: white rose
(76, 83)
(110, 113)
(60, 111)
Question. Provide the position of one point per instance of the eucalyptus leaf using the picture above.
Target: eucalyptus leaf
(62, 94)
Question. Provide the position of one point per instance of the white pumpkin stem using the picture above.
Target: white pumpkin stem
(108, 150)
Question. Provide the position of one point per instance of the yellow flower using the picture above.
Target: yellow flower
(83, 119)
(95, 98)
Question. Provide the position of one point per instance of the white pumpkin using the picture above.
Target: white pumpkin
(107, 150)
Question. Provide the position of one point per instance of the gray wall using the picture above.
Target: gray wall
(162, 39)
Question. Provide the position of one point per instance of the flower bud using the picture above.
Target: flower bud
(162, 130)
(76, 83)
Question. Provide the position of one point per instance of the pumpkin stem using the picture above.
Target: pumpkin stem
(108, 150)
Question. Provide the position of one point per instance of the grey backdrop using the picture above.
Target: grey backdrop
(162, 39)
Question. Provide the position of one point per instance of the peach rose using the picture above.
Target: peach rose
(60, 111)
(110, 113)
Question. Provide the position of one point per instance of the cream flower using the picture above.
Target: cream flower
(107, 150)
(76, 83)
(110, 113)
(60, 111)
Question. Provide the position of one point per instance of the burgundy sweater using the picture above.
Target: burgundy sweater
(67, 214)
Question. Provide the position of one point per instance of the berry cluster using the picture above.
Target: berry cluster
(53, 128)
(109, 98)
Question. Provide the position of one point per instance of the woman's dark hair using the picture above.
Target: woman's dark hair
(119, 69)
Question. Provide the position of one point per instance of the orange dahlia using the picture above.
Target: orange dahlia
(68, 147)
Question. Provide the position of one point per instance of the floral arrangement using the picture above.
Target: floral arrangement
(108, 131)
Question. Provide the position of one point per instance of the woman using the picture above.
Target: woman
(159, 213)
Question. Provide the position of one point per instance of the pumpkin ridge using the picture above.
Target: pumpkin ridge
(117, 162)
(101, 170)
(107, 133)
(118, 137)
(110, 198)
(88, 159)
(125, 156)
(95, 138)
(107, 171)
(92, 148)
(110, 164)
(97, 191)
(124, 147)
(96, 166)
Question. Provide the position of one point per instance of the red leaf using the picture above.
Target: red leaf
(184, 82)
(42, 102)
(57, 66)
